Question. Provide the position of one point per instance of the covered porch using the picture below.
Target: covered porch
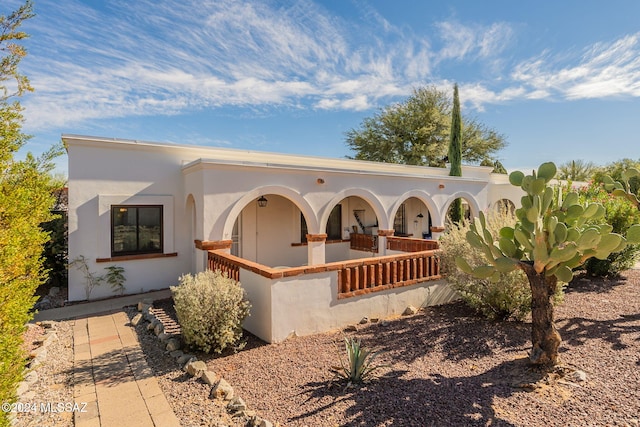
(312, 299)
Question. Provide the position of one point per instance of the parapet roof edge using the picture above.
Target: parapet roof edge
(235, 156)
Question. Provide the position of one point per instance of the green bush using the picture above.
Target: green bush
(621, 214)
(210, 308)
(510, 297)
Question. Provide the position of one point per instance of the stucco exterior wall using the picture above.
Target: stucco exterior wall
(101, 175)
(205, 190)
(308, 304)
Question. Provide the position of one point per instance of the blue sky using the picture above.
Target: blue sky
(561, 80)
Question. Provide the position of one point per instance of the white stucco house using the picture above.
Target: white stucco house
(316, 242)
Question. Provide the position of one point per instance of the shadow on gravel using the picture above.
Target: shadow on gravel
(433, 400)
(578, 330)
(583, 283)
(453, 329)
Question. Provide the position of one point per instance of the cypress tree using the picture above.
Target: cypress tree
(455, 154)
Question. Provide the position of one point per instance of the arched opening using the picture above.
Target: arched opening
(412, 219)
(268, 231)
(354, 220)
(191, 224)
(458, 210)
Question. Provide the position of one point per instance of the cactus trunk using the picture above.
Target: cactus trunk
(544, 335)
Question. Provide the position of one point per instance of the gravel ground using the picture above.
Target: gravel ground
(449, 367)
(54, 379)
(446, 367)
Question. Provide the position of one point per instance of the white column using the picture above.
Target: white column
(382, 241)
(316, 249)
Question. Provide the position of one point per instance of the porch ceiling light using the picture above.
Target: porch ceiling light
(262, 202)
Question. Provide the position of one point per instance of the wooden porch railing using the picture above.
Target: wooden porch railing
(364, 242)
(217, 261)
(380, 273)
(408, 244)
(355, 277)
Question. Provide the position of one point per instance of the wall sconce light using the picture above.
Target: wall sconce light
(441, 186)
(262, 202)
(420, 215)
(320, 181)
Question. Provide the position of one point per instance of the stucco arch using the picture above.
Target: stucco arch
(294, 196)
(193, 227)
(421, 195)
(366, 195)
(473, 204)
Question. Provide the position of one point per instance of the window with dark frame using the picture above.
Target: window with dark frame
(136, 230)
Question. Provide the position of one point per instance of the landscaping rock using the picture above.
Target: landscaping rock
(163, 337)
(364, 320)
(142, 306)
(265, 423)
(236, 405)
(43, 304)
(351, 328)
(136, 319)
(579, 376)
(186, 358)
(196, 368)
(222, 390)
(409, 311)
(39, 353)
(209, 377)
(151, 326)
(158, 329)
(173, 344)
(49, 338)
(31, 377)
(176, 354)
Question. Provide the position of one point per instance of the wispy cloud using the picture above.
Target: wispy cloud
(603, 70)
(174, 56)
(472, 41)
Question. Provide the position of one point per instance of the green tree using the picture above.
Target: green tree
(550, 238)
(455, 154)
(576, 170)
(25, 202)
(416, 132)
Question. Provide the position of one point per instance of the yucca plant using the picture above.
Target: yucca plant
(359, 366)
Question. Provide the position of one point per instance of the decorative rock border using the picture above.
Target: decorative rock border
(220, 388)
(37, 356)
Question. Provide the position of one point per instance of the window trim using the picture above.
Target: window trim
(103, 231)
(160, 250)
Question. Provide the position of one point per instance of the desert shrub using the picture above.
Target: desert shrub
(620, 214)
(359, 365)
(210, 308)
(509, 297)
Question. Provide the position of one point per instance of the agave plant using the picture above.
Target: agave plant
(359, 366)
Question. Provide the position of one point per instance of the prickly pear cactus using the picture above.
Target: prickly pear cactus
(623, 189)
(553, 235)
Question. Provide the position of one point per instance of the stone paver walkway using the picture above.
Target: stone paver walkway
(112, 376)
